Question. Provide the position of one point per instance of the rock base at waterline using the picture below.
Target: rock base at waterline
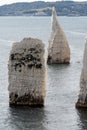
(81, 105)
(27, 100)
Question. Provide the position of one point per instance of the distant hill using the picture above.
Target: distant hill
(63, 8)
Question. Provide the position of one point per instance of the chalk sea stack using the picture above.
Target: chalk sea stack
(27, 72)
(82, 98)
(58, 49)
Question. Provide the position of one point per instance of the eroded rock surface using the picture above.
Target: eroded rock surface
(82, 98)
(27, 73)
(58, 50)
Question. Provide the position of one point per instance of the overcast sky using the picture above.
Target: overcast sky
(2, 2)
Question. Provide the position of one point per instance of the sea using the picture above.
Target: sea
(62, 81)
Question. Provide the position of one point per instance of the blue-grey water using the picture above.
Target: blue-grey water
(59, 112)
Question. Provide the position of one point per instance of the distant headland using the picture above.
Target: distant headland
(63, 8)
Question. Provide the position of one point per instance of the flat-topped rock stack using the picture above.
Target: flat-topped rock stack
(58, 50)
(27, 73)
(82, 98)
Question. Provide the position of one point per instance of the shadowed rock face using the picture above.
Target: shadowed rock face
(58, 50)
(82, 98)
(27, 73)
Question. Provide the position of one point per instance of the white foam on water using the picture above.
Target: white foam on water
(77, 33)
(4, 40)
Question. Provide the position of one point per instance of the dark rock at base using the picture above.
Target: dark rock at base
(27, 100)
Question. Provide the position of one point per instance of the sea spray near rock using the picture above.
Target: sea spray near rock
(58, 50)
(82, 98)
(27, 73)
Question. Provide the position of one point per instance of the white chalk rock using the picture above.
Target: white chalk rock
(82, 99)
(58, 50)
(27, 73)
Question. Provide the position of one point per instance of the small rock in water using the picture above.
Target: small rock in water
(58, 50)
(27, 71)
